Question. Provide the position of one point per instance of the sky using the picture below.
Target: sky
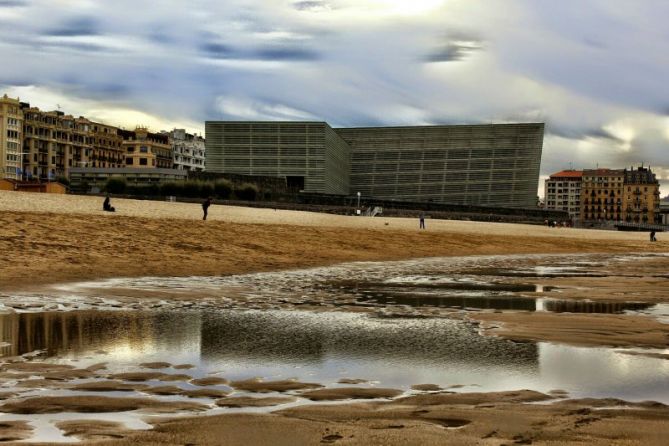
(593, 70)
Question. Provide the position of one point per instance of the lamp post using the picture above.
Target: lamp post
(358, 200)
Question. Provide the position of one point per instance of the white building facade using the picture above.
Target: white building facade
(188, 150)
(563, 192)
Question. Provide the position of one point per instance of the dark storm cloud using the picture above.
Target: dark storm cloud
(160, 37)
(83, 26)
(574, 132)
(217, 50)
(23, 81)
(287, 53)
(311, 5)
(12, 3)
(275, 52)
(454, 50)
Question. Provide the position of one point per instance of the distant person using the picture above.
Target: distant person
(652, 236)
(205, 207)
(106, 205)
(421, 220)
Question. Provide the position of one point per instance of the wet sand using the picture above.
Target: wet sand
(468, 419)
(92, 404)
(610, 330)
(387, 417)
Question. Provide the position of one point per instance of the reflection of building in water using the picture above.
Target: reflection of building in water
(575, 306)
(292, 337)
(80, 331)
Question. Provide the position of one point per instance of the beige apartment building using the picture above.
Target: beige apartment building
(144, 149)
(641, 196)
(55, 142)
(11, 138)
(602, 195)
(36, 144)
(563, 192)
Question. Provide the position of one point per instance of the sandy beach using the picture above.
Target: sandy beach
(55, 238)
(49, 239)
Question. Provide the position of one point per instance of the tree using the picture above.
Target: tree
(247, 192)
(115, 185)
(223, 188)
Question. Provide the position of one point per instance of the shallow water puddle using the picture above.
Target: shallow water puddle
(459, 283)
(324, 348)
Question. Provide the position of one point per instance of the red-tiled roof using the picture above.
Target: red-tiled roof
(568, 174)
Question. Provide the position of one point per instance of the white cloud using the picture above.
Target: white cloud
(252, 110)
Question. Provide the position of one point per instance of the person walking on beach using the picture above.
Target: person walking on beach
(652, 236)
(421, 220)
(205, 207)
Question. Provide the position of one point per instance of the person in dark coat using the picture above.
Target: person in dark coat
(106, 206)
(652, 236)
(205, 207)
(421, 220)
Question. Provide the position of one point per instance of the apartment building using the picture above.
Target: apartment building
(107, 146)
(11, 138)
(36, 144)
(641, 196)
(55, 142)
(602, 195)
(146, 150)
(563, 192)
(188, 150)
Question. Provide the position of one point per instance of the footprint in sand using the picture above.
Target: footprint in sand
(331, 438)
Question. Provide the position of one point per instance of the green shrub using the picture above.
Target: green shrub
(191, 188)
(150, 190)
(223, 188)
(207, 189)
(169, 188)
(115, 185)
(63, 180)
(246, 192)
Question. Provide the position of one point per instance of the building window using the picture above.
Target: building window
(144, 149)
(142, 162)
(128, 161)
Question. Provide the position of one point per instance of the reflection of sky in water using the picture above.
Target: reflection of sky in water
(325, 347)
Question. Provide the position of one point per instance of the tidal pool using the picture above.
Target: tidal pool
(367, 321)
(325, 347)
